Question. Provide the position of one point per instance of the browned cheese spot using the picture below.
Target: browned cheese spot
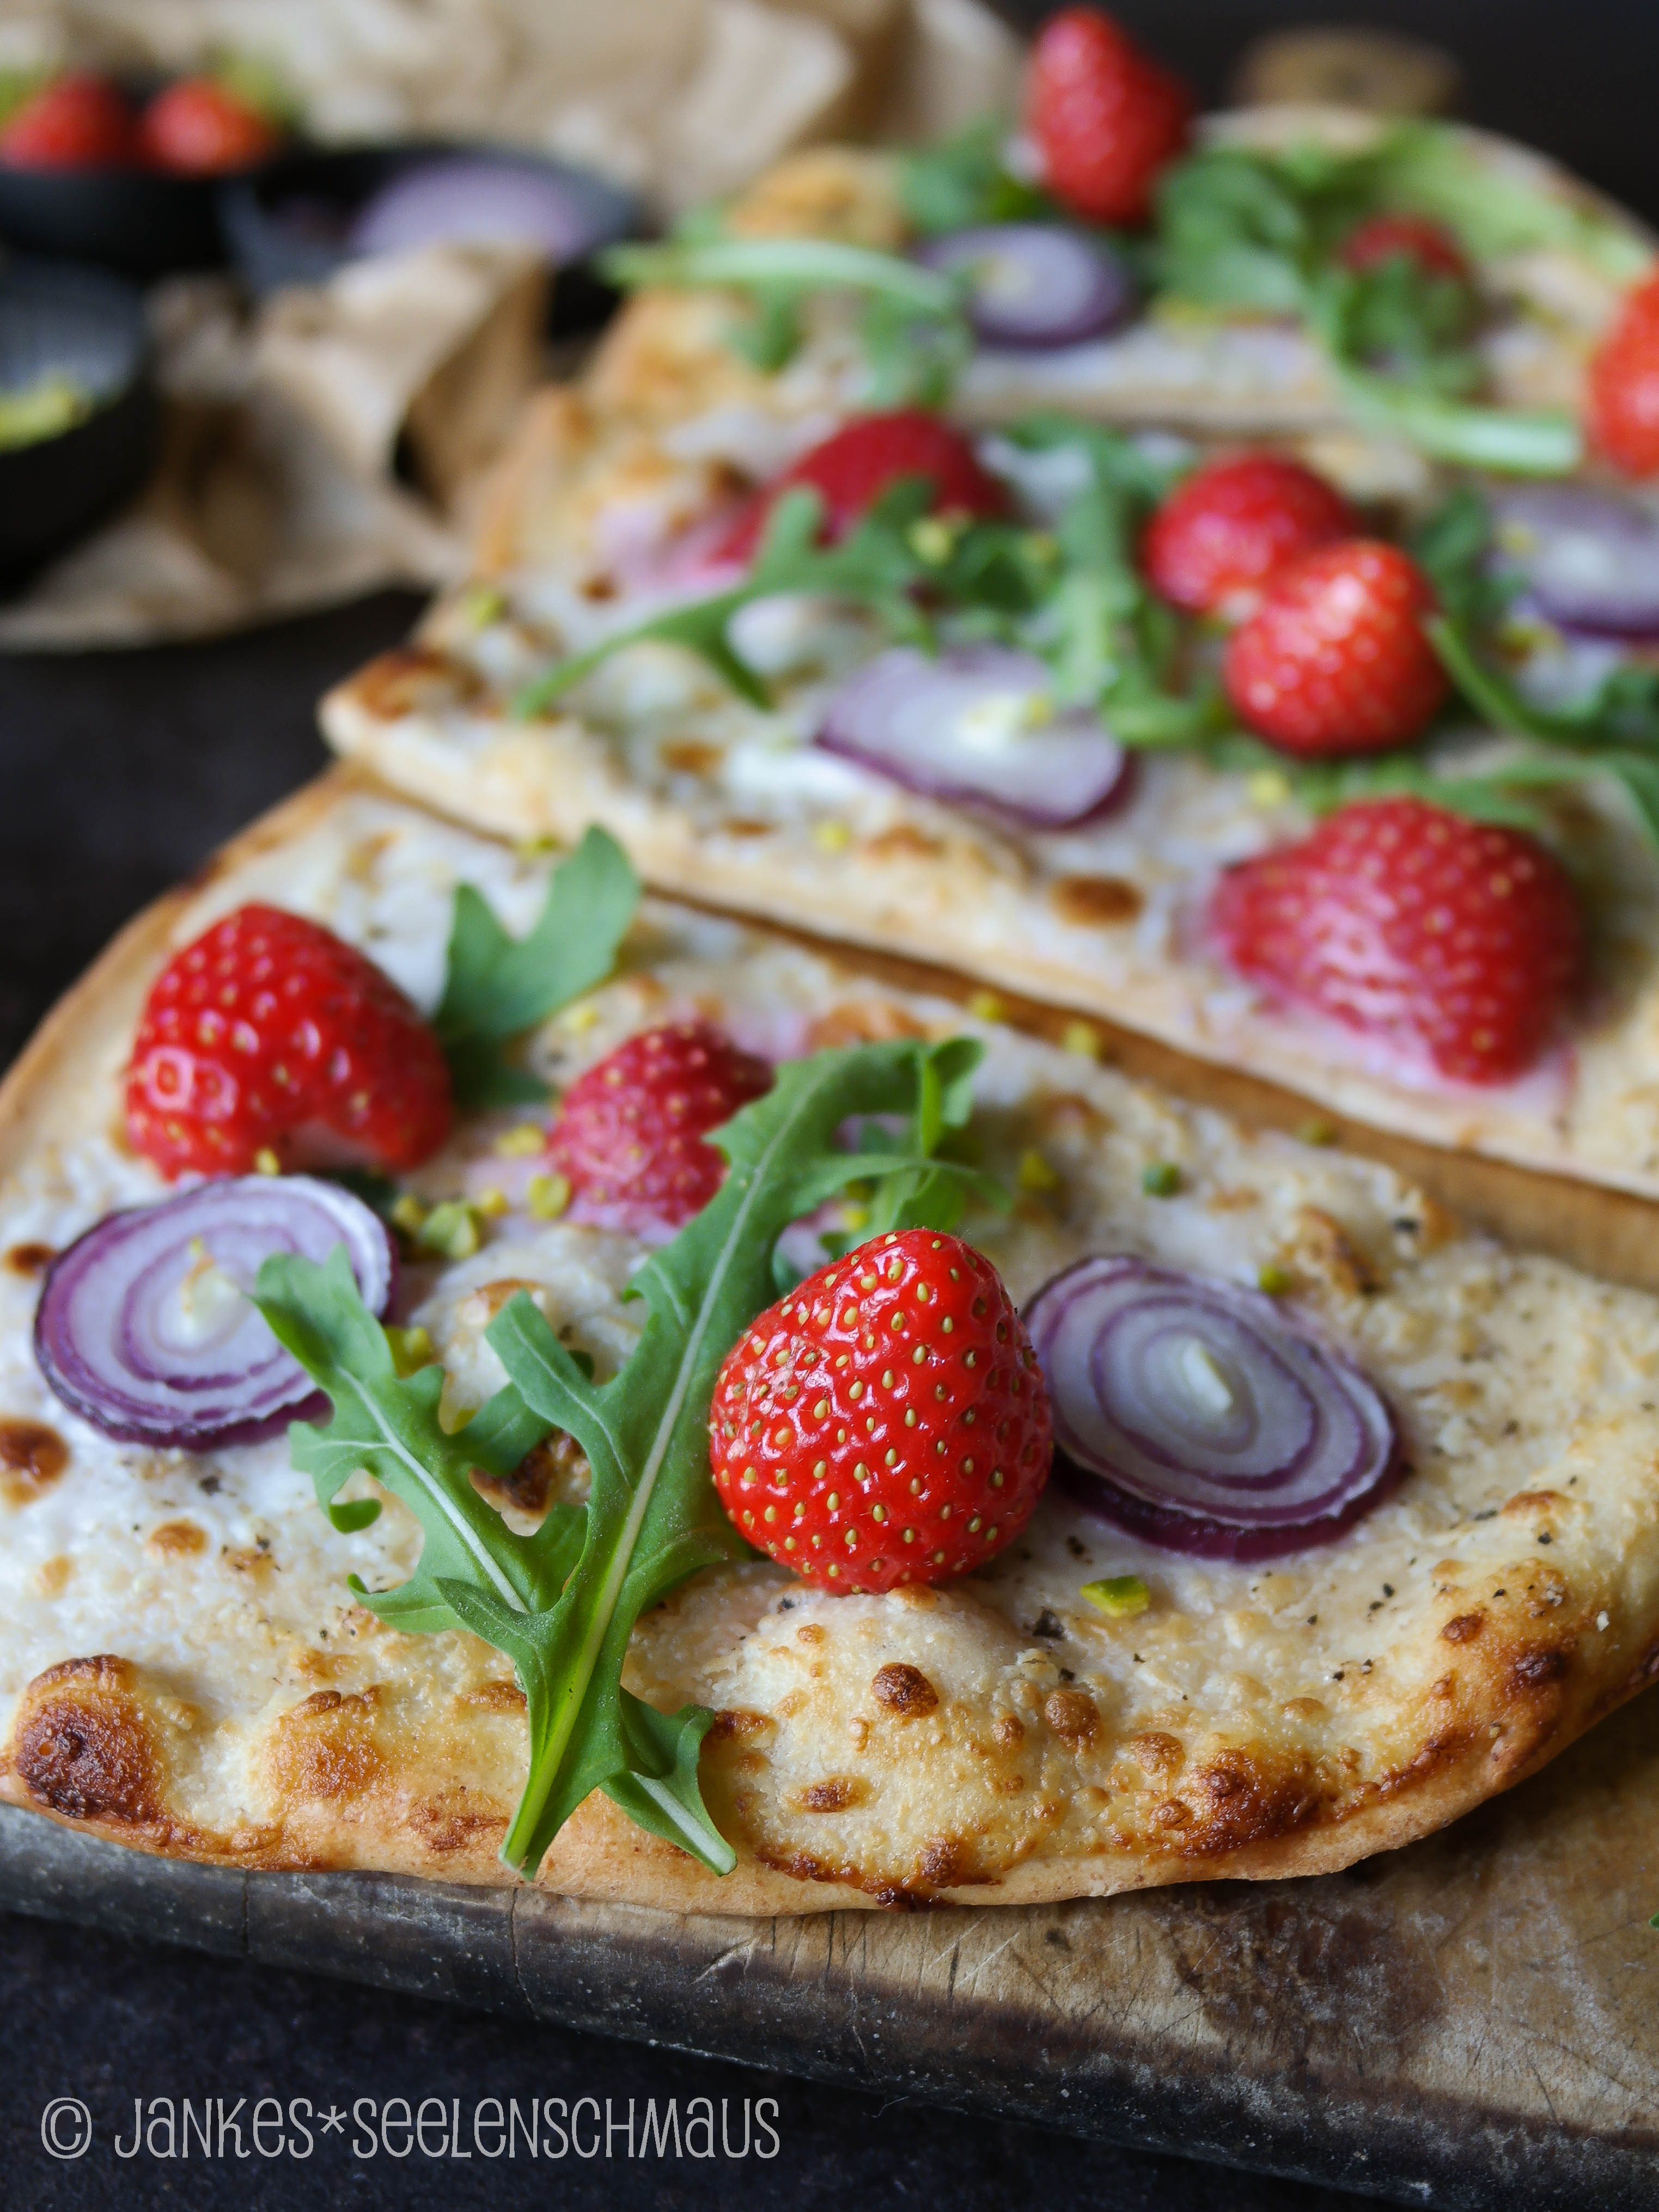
(940, 1862)
(861, 1021)
(555, 1471)
(1324, 1249)
(30, 1258)
(903, 842)
(456, 1821)
(32, 1457)
(734, 1723)
(1538, 1669)
(1534, 1501)
(176, 1540)
(1160, 1755)
(413, 679)
(85, 1747)
(1464, 1628)
(833, 1794)
(494, 1697)
(1095, 901)
(325, 1746)
(904, 1690)
(809, 1632)
(691, 757)
(1072, 1715)
(1008, 1730)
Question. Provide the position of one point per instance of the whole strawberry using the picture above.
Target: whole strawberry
(1623, 393)
(268, 1035)
(887, 1422)
(199, 128)
(78, 121)
(1106, 117)
(628, 1136)
(1336, 660)
(1459, 939)
(1410, 238)
(1222, 536)
(855, 465)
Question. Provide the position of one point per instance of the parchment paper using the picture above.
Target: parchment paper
(276, 490)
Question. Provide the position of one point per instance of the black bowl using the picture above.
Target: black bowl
(290, 222)
(143, 222)
(88, 327)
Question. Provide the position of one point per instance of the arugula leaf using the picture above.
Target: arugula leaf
(497, 987)
(878, 563)
(960, 182)
(562, 1603)
(1498, 208)
(1242, 230)
(1453, 545)
(914, 325)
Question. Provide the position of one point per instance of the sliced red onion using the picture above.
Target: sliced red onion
(143, 1327)
(469, 200)
(1201, 1416)
(1035, 284)
(976, 727)
(1590, 559)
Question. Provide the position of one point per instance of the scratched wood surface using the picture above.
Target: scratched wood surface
(1468, 2023)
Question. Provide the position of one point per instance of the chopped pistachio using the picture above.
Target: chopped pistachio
(411, 1348)
(1316, 1130)
(482, 605)
(986, 1006)
(547, 1196)
(408, 1213)
(579, 1017)
(855, 1217)
(536, 848)
(266, 1162)
(932, 540)
(1160, 1179)
(493, 1200)
(521, 1142)
(1081, 1038)
(1036, 1173)
(1268, 786)
(1041, 545)
(1274, 1278)
(832, 837)
(450, 1229)
(1119, 1597)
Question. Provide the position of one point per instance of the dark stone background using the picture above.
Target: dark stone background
(118, 773)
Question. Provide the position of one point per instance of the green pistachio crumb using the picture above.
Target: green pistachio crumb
(1119, 1597)
(1160, 1179)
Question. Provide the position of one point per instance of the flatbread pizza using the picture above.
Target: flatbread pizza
(1359, 1532)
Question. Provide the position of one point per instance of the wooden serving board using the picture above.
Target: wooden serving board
(1470, 2022)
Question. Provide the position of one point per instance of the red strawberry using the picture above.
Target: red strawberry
(1225, 532)
(199, 128)
(268, 1034)
(78, 122)
(1455, 938)
(1623, 397)
(1432, 246)
(1106, 117)
(628, 1136)
(887, 1422)
(1336, 660)
(856, 464)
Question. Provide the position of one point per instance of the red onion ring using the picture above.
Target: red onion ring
(1200, 1417)
(1035, 284)
(1590, 559)
(141, 1332)
(495, 199)
(914, 720)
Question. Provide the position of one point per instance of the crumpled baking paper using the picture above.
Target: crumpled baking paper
(279, 488)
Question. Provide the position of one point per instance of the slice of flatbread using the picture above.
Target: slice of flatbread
(182, 1666)
(669, 356)
(722, 801)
